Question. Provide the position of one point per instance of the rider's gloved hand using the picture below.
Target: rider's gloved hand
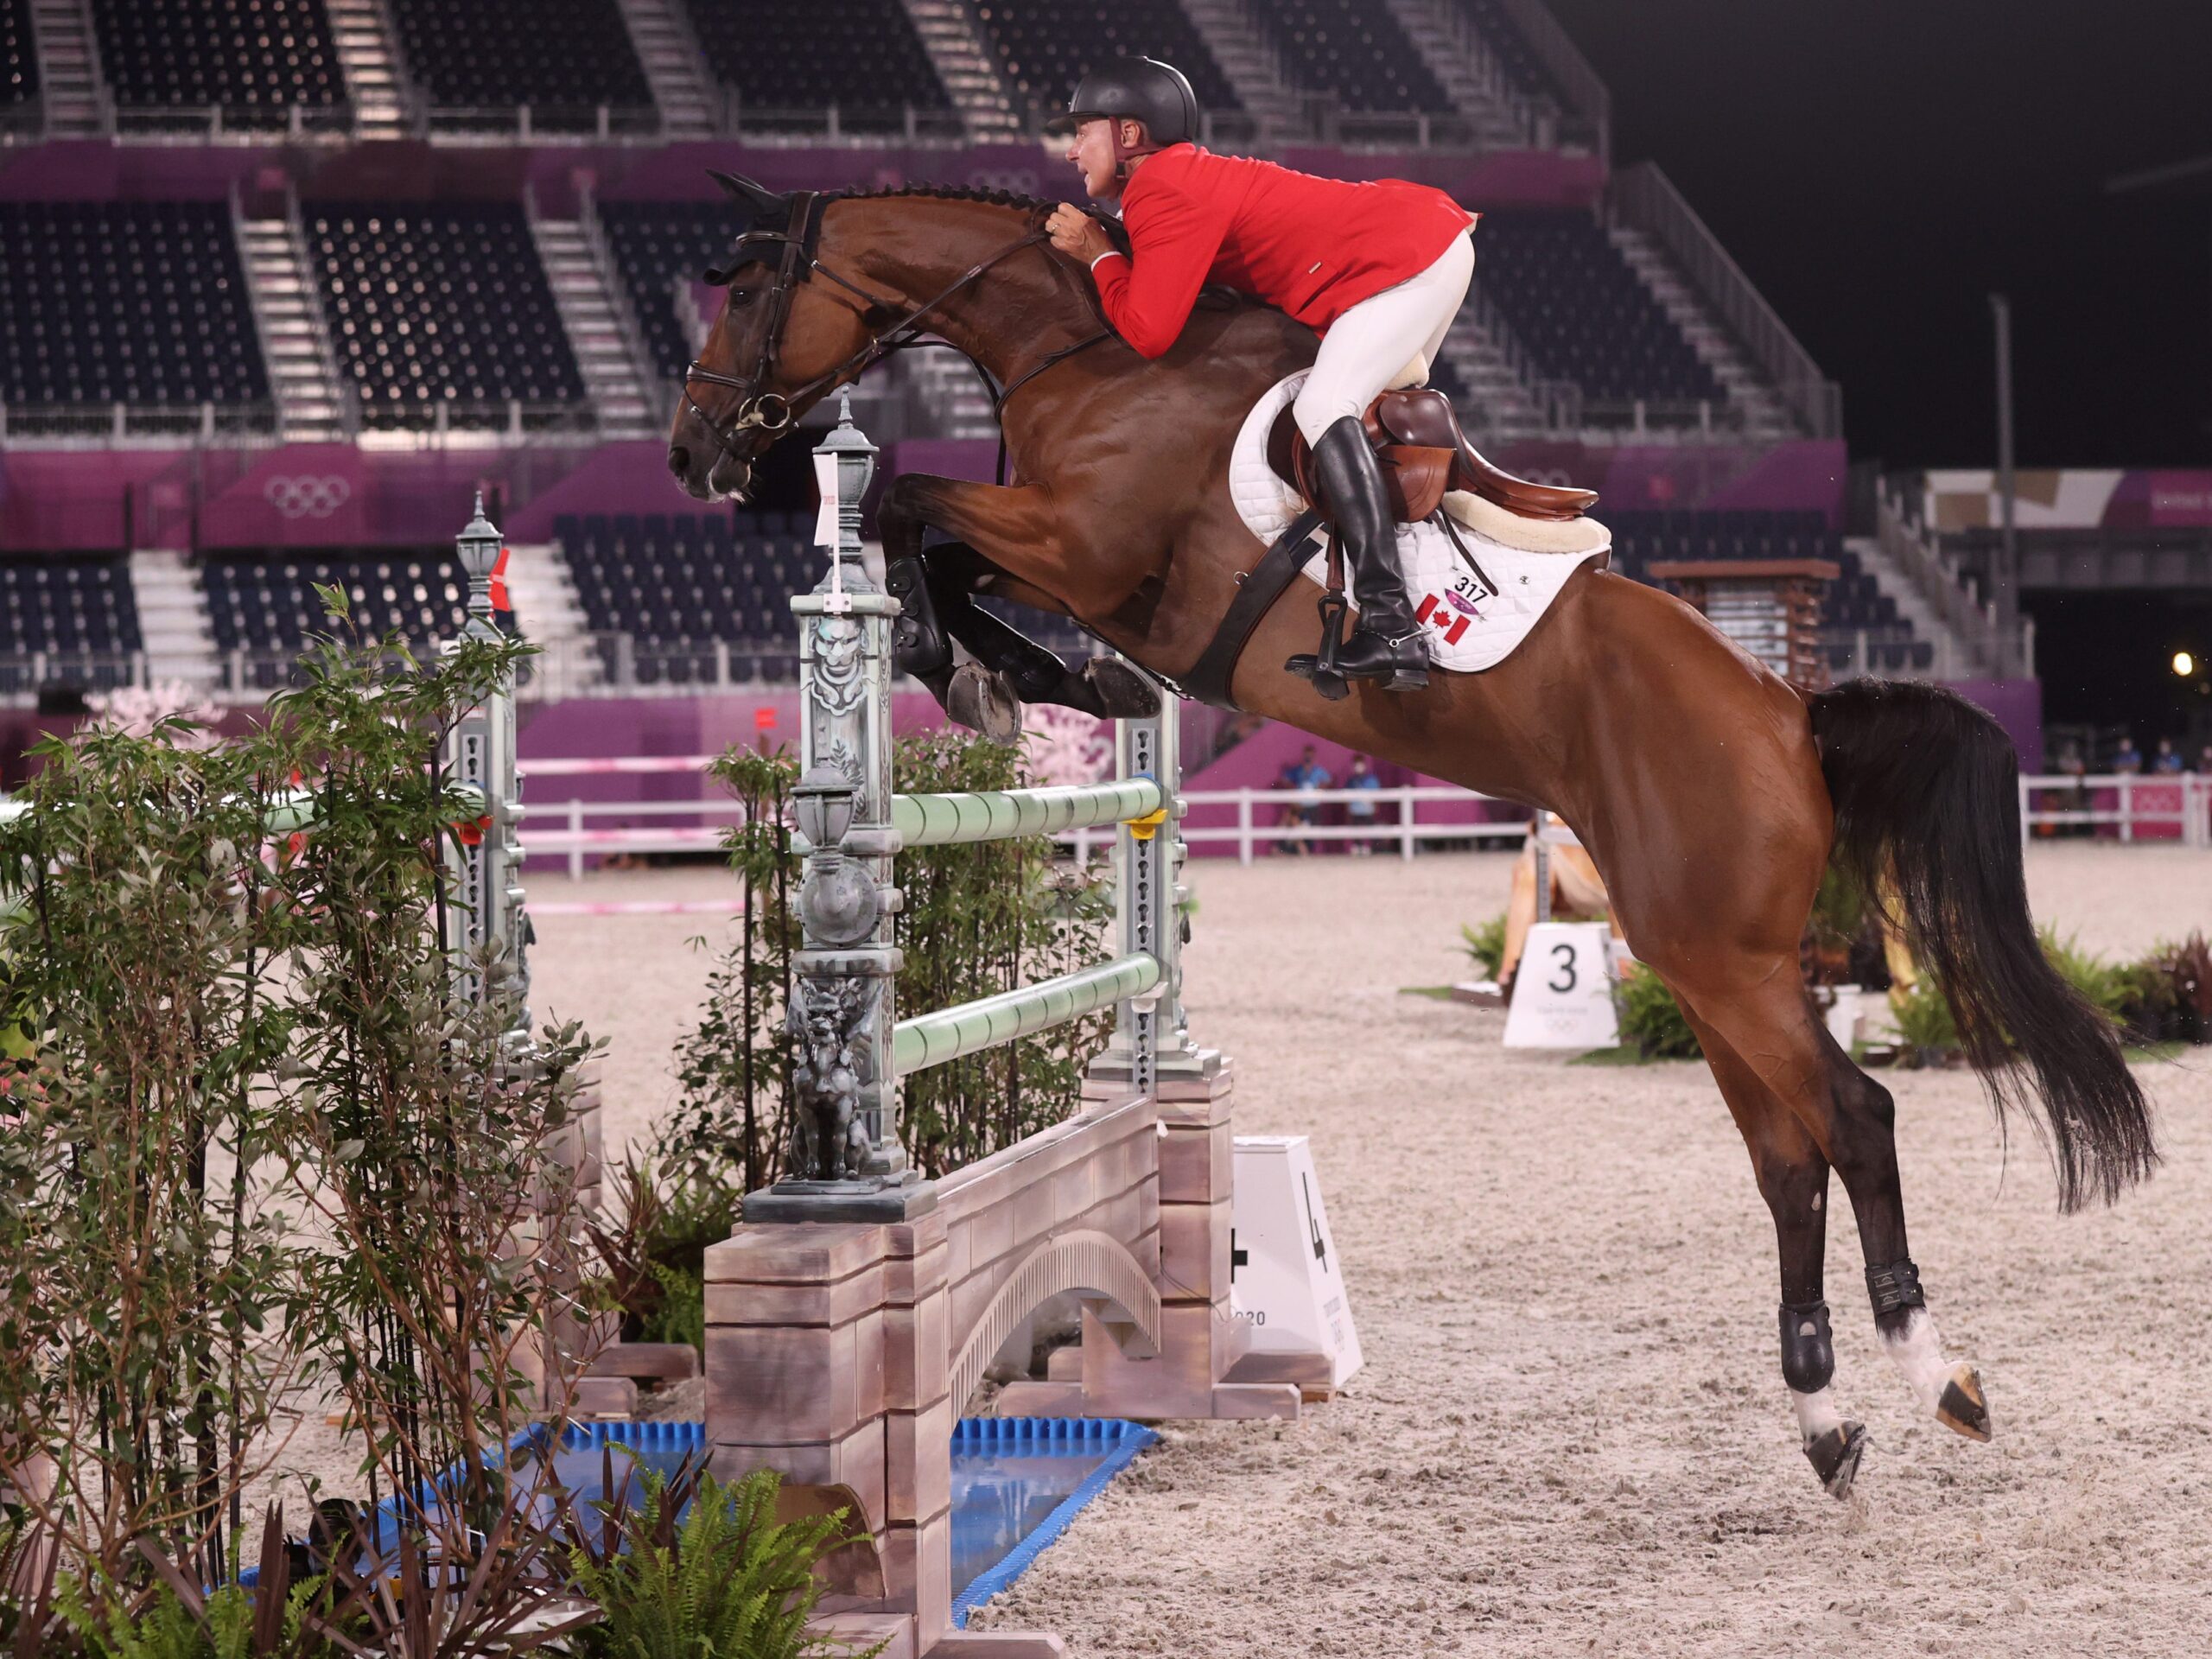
(1076, 232)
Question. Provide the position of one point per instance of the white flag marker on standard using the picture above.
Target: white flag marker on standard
(1284, 1279)
(826, 479)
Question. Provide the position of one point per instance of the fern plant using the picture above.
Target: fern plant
(1484, 944)
(720, 1578)
(1651, 1019)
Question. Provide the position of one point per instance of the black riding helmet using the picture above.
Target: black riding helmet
(1134, 88)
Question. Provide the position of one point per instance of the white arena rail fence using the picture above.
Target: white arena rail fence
(575, 830)
(2158, 807)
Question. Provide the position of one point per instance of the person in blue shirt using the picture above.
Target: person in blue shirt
(1361, 812)
(2165, 758)
(2127, 757)
(1309, 776)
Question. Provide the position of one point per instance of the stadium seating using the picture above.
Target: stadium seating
(58, 603)
(255, 59)
(656, 245)
(678, 583)
(441, 305)
(862, 55)
(18, 54)
(266, 600)
(133, 302)
(1045, 46)
(1506, 44)
(1854, 602)
(1582, 312)
(1355, 48)
(562, 57)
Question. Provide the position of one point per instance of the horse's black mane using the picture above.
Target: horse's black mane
(950, 192)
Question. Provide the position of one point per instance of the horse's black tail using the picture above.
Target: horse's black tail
(1926, 792)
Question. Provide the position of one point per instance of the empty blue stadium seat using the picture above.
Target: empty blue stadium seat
(1354, 48)
(18, 53)
(445, 304)
(63, 603)
(1853, 600)
(563, 58)
(142, 303)
(864, 56)
(255, 59)
(266, 600)
(657, 246)
(1583, 313)
(1047, 46)
(1512, 51)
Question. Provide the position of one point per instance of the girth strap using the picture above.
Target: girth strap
(1267, 582)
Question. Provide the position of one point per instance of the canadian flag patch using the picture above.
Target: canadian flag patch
(1441, 613)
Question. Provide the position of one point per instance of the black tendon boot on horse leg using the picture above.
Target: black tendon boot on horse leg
(1106, 688)
(1386, 644)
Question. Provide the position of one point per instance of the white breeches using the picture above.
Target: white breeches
(1388, 340)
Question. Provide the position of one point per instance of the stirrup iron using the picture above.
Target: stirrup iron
(1320, 668)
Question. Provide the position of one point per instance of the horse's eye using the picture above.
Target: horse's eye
(740, 296)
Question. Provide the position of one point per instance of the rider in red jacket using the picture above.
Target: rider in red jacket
(1378, 270)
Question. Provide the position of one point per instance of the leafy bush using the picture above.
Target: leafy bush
(260, 1150)
(1651, 1020)
(2105, 986)
(1484, 944)
(2169, 993)
(977, 919)
(654, 1250)
(1923, 1019)
(719, 1579)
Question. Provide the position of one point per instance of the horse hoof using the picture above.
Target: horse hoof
(983, 702)
(1964, 1409)
(1123, 693)
(1834, 1457)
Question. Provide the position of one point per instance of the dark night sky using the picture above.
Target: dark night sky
(1878, 166)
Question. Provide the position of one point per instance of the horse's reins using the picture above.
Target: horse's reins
(763, 410)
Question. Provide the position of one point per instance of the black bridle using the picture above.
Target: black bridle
(771, 413)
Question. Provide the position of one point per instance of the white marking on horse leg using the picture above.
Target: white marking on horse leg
(1816, 1413)
(1916, 1350)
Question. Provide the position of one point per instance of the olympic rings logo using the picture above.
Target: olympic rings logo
(307, 497)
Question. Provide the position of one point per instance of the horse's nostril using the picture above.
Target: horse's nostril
(679, 459)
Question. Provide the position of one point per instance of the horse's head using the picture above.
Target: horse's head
(777, 346)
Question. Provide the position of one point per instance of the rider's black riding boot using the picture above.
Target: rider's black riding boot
(1387, 646)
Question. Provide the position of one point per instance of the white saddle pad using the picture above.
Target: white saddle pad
(1470, 627)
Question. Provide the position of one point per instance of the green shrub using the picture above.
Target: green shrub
(726, 1581)
(977, 919)
(1651, 1020)
(1484, 944)
(2168, 995)
(1923, 1017)
(2106, 986)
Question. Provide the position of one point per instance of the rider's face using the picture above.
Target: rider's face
(1091, 149)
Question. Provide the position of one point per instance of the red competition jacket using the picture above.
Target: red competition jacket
(1315, 247)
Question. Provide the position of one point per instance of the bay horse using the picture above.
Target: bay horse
(1711, 793)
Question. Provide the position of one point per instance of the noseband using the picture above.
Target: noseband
(771, 413)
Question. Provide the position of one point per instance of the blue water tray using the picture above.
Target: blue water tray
(1016, 1482)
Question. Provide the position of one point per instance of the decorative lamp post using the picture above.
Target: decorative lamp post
(845, 1161)
(484, 863)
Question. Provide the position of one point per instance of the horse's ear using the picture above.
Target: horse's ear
(759, 196)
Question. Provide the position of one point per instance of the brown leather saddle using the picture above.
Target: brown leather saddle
(1423, 454)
